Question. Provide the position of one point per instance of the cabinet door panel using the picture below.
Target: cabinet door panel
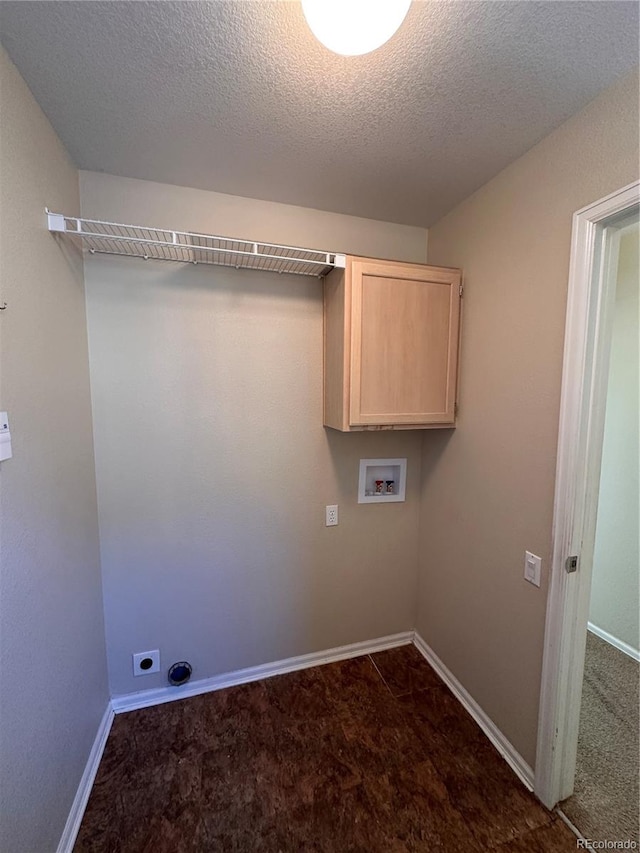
(405, 328)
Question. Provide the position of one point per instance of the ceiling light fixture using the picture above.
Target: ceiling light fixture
(354, 27)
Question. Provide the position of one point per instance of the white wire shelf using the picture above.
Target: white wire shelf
(137, 241)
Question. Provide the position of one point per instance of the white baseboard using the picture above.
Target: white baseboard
(504, 747)
(573, 828)
(159, 695)
(81, 798)
(614, 641)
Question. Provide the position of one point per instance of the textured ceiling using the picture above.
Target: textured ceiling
(239, 97)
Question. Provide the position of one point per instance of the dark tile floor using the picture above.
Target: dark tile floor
(371, 754)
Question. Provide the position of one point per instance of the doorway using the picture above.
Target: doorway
(604, 804)
(597, 231)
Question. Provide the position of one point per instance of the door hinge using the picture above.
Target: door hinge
(571, 564)
(461, 289)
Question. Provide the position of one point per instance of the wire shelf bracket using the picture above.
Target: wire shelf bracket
(137, 241)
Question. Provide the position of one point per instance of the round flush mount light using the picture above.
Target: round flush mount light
(354, 27)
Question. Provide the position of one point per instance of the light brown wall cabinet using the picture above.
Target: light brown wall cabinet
(390, 345)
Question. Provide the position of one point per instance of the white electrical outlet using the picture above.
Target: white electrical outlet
(532, 567)
(331, 515)
(144, 663)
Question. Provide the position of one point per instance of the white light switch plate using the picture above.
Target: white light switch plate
(5, 438)
(532, 568)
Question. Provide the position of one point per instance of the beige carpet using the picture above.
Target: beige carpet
(606, 801)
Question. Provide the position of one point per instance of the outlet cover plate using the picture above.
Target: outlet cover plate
(331, 515)
(144, 663)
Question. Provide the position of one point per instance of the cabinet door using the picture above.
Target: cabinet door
(404, 327)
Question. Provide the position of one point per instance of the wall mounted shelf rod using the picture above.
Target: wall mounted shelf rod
(137, 241)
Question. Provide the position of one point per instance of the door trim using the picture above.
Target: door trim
(584, 380)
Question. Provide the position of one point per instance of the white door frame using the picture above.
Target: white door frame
(584, 383)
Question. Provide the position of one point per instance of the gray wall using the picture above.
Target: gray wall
(213, 467)
(488, 488)
(51, 622)
(615, 605)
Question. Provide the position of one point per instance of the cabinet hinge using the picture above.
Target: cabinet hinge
(456, 409)
(461, 289)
